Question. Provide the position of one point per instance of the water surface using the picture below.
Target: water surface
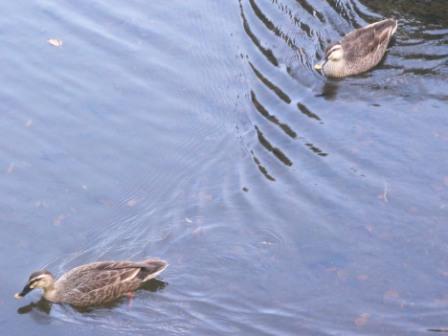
(198, 132)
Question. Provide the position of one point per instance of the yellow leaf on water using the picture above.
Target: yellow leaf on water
(55, 42)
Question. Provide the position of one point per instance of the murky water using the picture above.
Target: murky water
(198, 132)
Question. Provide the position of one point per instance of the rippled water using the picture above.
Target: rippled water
(198, 132)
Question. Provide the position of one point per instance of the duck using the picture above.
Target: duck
(358, 51)
(94, 283)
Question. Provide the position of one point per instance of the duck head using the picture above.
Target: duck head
(40, 279)
(334, 58)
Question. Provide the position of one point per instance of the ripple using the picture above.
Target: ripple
(208, 139)
(265, 113)
(277, 90)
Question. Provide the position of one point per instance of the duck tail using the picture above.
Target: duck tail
(394, 23)
(152, 268)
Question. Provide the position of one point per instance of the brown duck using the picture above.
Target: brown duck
(358, 51)
(96, 283)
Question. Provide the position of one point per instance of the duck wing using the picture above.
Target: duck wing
(368, 40)
(91, 277)
(98, 275)
(105, 281)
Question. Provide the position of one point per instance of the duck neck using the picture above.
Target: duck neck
(50, 292)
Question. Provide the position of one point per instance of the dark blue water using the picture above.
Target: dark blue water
(198, 132)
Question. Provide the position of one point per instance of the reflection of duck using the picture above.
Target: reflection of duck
(358, 51)
(95, 283)
(42, 305)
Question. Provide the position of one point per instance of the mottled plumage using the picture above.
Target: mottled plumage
(95, 283)
(359, 50)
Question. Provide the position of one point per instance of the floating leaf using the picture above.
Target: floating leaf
(55, 42)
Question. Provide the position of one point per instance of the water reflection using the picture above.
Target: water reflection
(270, 85)
(262, 168)
(276, 151)
(329, 90)
(272, 118)
(265, 51)
(42, 306)
(306, 111)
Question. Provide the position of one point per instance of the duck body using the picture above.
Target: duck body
(359, 50)
(96, 283)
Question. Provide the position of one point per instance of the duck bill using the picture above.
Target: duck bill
(24, 292)
(319, 65)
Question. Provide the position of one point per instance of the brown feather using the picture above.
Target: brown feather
(364, 41)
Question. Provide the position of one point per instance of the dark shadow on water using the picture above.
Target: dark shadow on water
(44, 306)
(154, 285)
(329, 90)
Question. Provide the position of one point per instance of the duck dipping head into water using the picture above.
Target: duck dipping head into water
(96, 283)
(358, 51)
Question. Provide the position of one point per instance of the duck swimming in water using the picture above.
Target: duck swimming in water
(96, 283)
(358, 51)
